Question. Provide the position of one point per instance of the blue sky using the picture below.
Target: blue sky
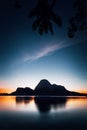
(26, 57)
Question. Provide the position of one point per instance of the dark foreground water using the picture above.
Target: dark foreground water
(43, 113)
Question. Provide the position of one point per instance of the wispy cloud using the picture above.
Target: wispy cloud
(45, 51)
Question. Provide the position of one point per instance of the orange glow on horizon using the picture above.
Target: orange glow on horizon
(83, 91)
(6, 90)
(10, 103)
(5, 87)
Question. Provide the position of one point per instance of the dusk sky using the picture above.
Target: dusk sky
(26, 57)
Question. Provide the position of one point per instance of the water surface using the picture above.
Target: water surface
(37, 113)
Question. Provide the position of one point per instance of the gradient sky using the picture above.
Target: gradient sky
(26, 57)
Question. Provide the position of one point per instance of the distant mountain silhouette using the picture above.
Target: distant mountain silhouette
(4, 94)
(44, 87)
(23, 91)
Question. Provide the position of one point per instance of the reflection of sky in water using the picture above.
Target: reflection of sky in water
(33, 104)
(43, 113)
(15, 104)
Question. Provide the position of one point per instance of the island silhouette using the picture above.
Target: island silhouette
(45, 88)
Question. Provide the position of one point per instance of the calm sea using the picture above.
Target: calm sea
(43, 113)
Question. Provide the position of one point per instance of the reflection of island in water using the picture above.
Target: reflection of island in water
(54, 113)
(23, 99)
(44, 103)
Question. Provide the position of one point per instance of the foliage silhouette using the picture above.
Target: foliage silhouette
(45, 16)
(79, 21)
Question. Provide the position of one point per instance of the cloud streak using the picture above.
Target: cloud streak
(46, 51)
